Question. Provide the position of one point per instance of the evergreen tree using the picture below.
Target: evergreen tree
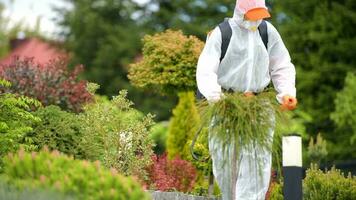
(194, 17)
(104, 36)
(345, 119)
(320, 36)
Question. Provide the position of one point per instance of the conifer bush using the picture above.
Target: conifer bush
(54, 171)
(58, 130)
(330, 185)
(51, 84)
(169, 62)
(320, 185)
(183, 126)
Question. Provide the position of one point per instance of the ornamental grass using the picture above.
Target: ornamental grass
(244, 121)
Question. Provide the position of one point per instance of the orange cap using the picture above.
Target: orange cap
(257, 13)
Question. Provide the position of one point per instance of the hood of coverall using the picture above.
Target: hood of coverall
(251, 72)
(244, 6)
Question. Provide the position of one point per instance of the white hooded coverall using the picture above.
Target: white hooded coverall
(247, 67)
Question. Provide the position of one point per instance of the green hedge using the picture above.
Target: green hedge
(319, 185)
(54, 171)
(330, 185)
(58, 130)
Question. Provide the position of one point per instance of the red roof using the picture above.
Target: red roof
(39, 50)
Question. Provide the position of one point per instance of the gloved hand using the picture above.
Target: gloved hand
(289, 103)
(249, 94)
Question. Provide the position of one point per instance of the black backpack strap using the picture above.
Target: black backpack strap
(262, 28)
(226, 33)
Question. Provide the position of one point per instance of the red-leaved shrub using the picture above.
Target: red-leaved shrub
(168, 175)
(52, 83)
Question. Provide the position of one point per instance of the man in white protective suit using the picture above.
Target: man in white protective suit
(248, 66)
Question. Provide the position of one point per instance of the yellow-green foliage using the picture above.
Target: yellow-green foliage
(183, 126)
(182, 129)
(169, 62)
(319, 185)
(83, 179)
(328, 186)
(15, 121)
(203, 165)
(276, 192)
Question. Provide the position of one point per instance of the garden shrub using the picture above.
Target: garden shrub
(169, 62)
(170, 175)
(15, 121)
(319, 185)
(332, 185)
(117, 135)
(52, 170)
(183, 126)
(51, 84)
(158, 134)
(58, 130)
(317, 151)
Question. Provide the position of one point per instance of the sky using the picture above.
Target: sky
(28, 11)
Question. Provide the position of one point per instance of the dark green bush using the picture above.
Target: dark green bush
(345, 119)
(55, 171)
(58, 130)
